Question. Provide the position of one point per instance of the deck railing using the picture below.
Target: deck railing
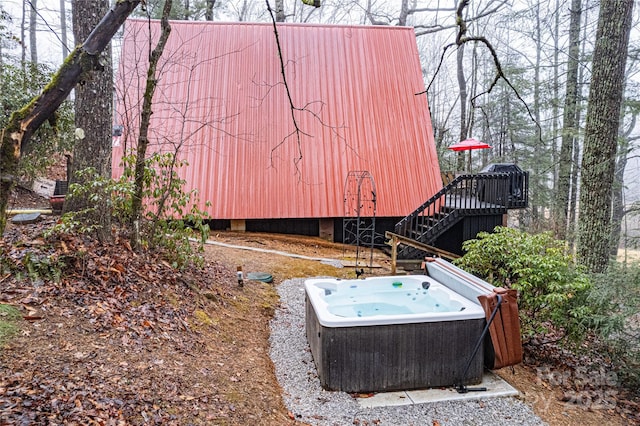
(466, 195)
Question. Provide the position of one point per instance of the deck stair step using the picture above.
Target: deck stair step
(466, 195)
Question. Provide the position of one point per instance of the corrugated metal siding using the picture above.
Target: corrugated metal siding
(220, 93)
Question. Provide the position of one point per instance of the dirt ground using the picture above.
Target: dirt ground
(125, 339)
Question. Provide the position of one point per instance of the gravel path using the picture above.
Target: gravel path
(311, 404)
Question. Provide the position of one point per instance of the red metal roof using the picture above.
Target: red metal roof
(220, 92)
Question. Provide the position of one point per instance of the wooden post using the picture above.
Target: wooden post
(399, 239)
(394, 254)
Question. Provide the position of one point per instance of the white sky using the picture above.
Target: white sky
(49, 43)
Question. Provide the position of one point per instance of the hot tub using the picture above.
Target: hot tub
(392, 333)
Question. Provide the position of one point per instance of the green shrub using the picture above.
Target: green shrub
(616, 300)
(552, 288)
(171, 219)
(171, 216)
(94, 188)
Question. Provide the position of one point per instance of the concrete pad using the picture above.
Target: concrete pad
(496, 387)
(385, 399)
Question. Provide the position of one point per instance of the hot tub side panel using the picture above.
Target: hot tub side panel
(313, 330)
(394, 357)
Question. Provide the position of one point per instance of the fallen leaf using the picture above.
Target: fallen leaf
(365, 395)
(32, 317)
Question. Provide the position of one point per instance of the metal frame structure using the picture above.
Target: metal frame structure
(359, 221)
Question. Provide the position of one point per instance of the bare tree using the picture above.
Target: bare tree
(537, 176)
(462, 87)
(555, 98)
(23, 43)
(143, 137)
(187, 10)
(617, 198)
(33, 22)
(573, 201)
(280, 15)
(144, 116)
(462, 38)
(244, 10)
(570, 125)
(625, 147)
(208, 15)
(63, 29)
(382, 13)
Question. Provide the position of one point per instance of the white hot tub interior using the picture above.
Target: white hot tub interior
(387, 300)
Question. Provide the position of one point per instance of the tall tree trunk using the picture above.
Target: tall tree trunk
(280, 15)
(601, 131)
(471, 121)
(462, 87)
(208, 14)
(242, 16)
(94, 118)
(556, 95)
(63, 30)
(537, 175)
(23, 44)
(404, 12)
(145, 119)
(617, 200)
(617, 203)
(369, 15)
(24, 122)
(33, 22)
(573, 201)
(569, 126)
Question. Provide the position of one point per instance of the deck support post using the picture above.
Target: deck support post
(394, 254)
(396, 240)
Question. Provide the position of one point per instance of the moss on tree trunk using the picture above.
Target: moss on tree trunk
(601, 133)
(23, 123)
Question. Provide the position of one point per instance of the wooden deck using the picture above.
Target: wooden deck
(465, 202)
(479, 201)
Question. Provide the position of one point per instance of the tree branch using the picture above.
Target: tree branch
(297, 130)
(23, 123)
(145, 120)
(462, 38)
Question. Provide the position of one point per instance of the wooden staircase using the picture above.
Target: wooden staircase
(485, 194)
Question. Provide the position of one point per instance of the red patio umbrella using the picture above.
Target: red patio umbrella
(468, 145)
